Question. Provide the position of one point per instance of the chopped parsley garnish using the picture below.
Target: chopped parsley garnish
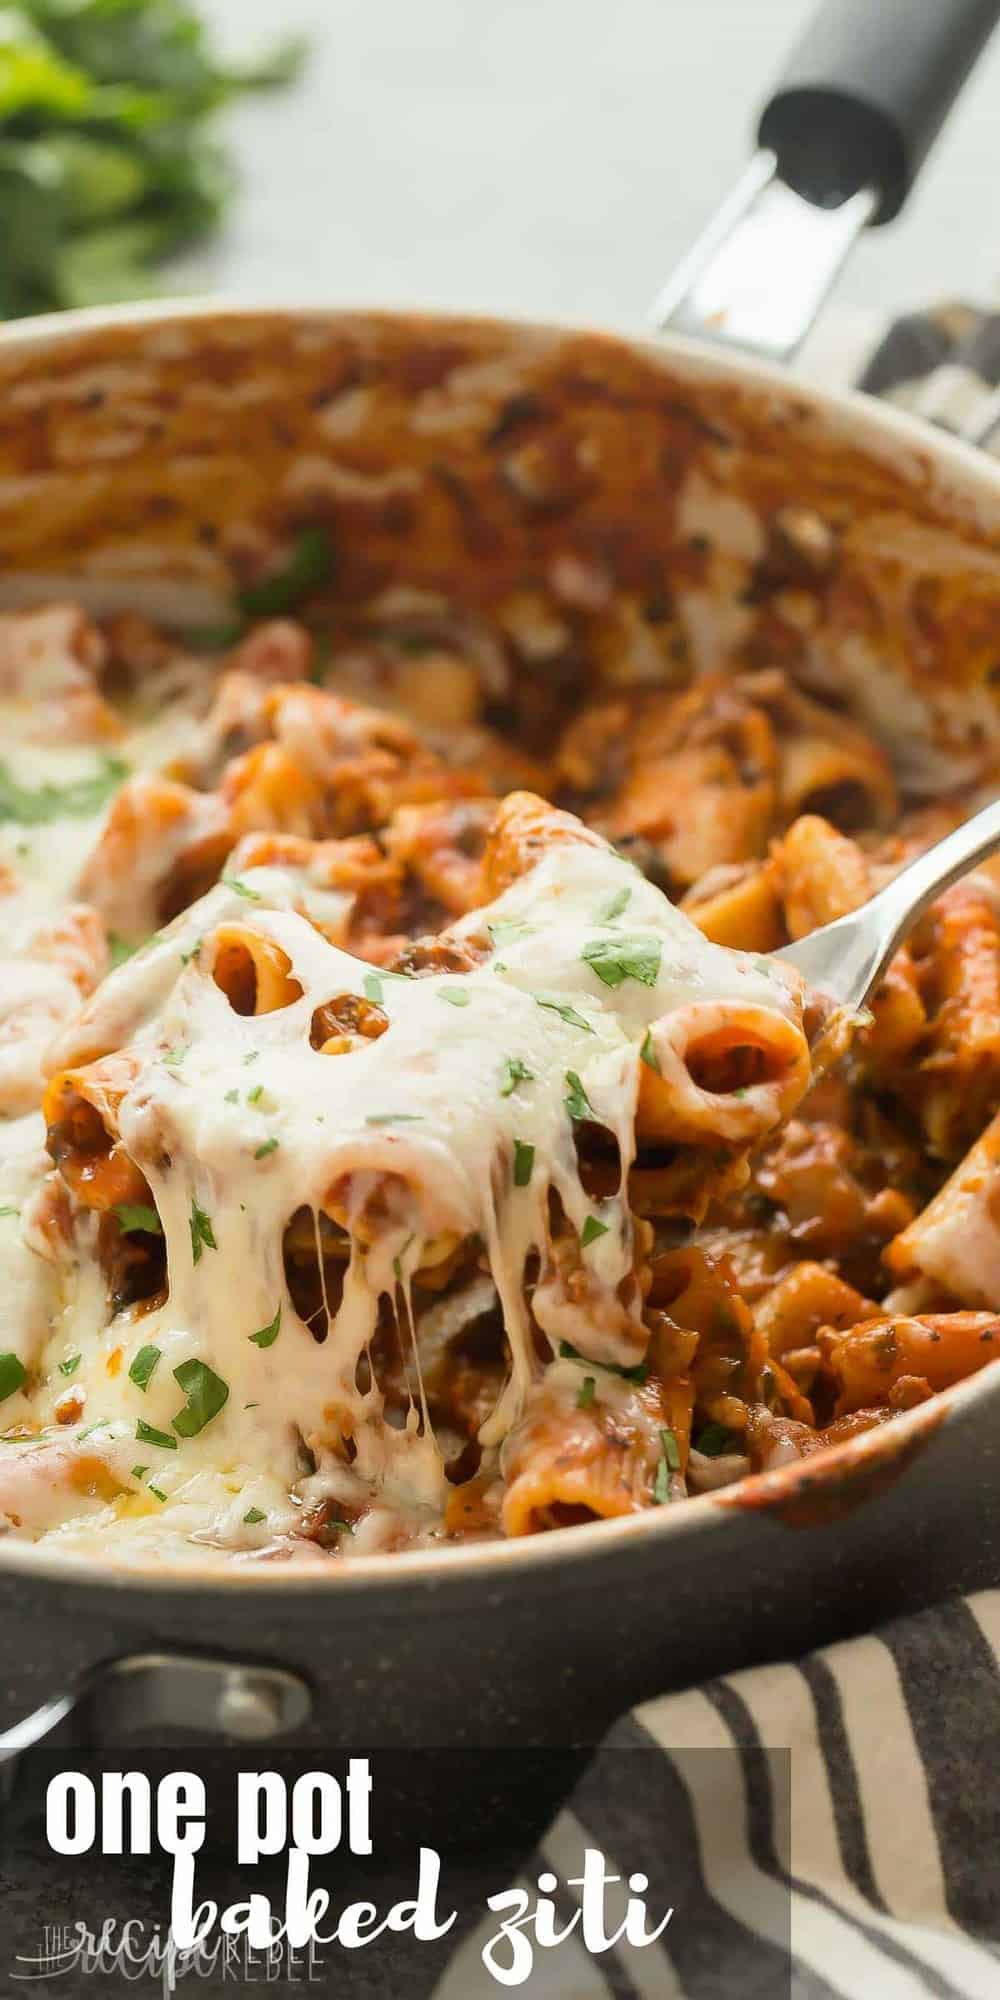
(591, 1230)
(137, 1219)
(506, 930)
(202, 1233)
(576, 1100)
(514, 1072)
(565, 1013)
(612, 909)
(588, 1390)
(187, 956)
(456, 996)
(139, 1471)
(253, 1517)
(251, 1055)
(242, 889)
(616, 959)
(76, 800)
(374, 989)
(524, 1163)
(144, 1367)
(268, 1334)
(13, 1375)
(397, 1262)
(269, 1146)
(648, 1055)
(715, 1441)
(157, 1492)
(206, 1394)
(394, 1118)
(670, 1461)
(147, 1435)
(671, 1451)
(232, 1097)
(70, 1365)
(119, 950)
(336, 1525)
(254, 1095)
(174, 1058)
(9, 1210)
(308, 564)
(637, 1374)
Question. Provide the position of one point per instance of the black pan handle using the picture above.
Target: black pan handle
(866, 93)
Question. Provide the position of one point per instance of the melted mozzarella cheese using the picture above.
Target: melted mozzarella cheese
(239, 1121)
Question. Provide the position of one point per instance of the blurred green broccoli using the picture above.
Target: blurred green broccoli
(106, 163)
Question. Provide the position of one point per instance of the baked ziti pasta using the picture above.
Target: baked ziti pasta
(406, 1138)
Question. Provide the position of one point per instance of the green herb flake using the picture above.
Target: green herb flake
(174, 1058)
(514, 1072)
(505, 930)
(242, 889)
(524, 1163)
(157, 1492)
(576, 1100)
(394, 1118)
(251, 1055)
(232, 1097)
(588, 1390)
(374, 989)
(202, 1233)
(591, 1230)
(336, 1526)
(614, 907)
(616, 959)
(648, 1055)
(77, 800)
(268, 1334)
(119, 950)
(70, 1365)
(269, 1146)
(397, 1262)
(13, 1375)
(139, 1471)
(137, 1219)
(715, 1441)
(146, 1434)
(187, 956)
(144, 1367)
(565, 1013)
(638, 1374)
(670, 1462)
(456, 996)
(253, 1517)
(308, 565)
(206, 1394)
(254, 1095)
(7, 1209)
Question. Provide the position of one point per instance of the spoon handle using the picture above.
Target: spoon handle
(847, 958)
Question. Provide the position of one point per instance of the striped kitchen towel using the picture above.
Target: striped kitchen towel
(824, 1830)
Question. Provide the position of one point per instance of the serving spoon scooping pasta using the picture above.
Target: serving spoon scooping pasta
(846, 959)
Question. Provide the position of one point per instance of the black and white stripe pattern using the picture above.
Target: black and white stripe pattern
(856, 1861)
(842, 1841)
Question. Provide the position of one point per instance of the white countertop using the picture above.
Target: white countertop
(548, 156)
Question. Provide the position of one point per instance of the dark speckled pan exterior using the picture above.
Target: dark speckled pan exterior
(476, 463)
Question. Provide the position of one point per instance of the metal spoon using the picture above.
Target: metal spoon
(847, 959)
